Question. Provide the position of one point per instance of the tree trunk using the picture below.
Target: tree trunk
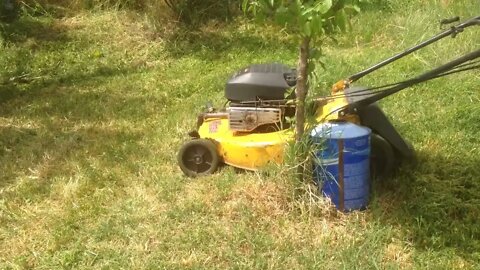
(301, 92)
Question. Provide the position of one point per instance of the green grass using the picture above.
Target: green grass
(94, 107)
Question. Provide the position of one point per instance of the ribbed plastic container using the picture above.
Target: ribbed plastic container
(342, 164)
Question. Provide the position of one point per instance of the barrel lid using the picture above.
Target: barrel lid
(340, 130)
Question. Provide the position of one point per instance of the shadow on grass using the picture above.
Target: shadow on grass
(31, 28)
(209, 45)
(65, 121)
(18, 33)
(439, 208)
(62, 96)
(42, 154)
(63, 124)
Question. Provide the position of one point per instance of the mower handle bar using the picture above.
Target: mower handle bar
(453, 31)
(449, 20)
(432, 74)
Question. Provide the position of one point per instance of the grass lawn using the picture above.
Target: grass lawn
(94, 107)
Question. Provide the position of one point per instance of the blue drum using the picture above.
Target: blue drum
(342, 163)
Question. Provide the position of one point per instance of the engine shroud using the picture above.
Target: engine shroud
(261, 82)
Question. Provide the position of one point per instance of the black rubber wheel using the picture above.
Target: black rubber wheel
(198, 157)
(382, 157)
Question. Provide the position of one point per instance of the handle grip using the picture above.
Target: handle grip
(450, 20)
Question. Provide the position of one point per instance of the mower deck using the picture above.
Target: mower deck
(243, 150)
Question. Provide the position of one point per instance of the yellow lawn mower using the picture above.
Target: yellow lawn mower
(253, 130)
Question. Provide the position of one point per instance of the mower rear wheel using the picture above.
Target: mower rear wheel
(382, 157)
(198, 157)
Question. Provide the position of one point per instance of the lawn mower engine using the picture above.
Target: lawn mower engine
(252, 130)
(257, 98)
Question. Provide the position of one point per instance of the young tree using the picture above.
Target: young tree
(310, 21)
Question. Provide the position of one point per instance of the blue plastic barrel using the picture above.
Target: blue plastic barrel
(342, 163)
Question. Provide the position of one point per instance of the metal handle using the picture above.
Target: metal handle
(450, 20)
(453, 31)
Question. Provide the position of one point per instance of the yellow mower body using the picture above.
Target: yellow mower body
(245, 150)
(254, 150)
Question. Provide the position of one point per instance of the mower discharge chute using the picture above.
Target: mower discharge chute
(253, 130)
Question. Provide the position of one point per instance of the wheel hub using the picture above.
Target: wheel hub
(198, 157)
(198, 160)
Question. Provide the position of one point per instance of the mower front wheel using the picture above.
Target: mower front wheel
(198, 157)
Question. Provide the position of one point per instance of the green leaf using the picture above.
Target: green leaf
(315, 52)
(307, 29)
(245, 5)
(297, 7)
(354, 7)
(316, 25)
(307, 12)
(341, 20)
(323, 6)
(282, 16)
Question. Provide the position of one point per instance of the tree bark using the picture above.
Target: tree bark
(301, 92)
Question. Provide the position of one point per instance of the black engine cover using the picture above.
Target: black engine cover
(261, 82)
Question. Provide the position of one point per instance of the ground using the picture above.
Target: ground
(94, 107)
